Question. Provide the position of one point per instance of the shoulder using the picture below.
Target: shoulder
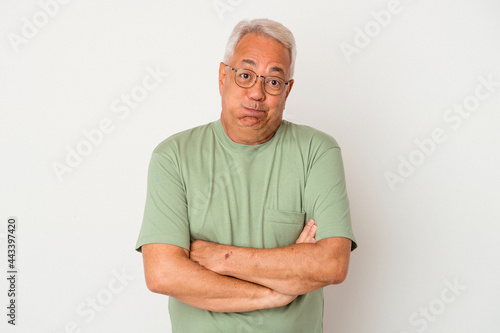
(183, 140)
(309, 136)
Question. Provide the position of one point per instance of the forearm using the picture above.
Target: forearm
(205, 289)
(294, 269)
(197, 286)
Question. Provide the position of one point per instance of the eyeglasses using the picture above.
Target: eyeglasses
(246, 78)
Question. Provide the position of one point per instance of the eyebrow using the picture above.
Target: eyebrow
(273, 69)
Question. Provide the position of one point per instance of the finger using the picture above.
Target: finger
(307, 233)
(311, 233)
(303, 233)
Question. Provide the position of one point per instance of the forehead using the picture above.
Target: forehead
(262, 52)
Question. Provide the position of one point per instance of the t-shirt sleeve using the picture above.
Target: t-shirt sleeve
(325, 196)
(165, 214)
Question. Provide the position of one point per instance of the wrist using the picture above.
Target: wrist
(278, 299)
(271, 299)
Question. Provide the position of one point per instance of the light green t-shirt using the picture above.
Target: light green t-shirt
(202, 185)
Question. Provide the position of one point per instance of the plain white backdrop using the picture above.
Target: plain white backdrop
(410, 90)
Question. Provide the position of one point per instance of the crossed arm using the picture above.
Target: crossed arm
(226, 278)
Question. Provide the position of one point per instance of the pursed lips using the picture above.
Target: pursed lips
(254, 108)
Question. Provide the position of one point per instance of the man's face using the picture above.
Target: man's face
(251, 115)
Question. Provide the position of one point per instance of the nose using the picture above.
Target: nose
(257, 92)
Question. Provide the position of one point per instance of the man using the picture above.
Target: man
(224, 231)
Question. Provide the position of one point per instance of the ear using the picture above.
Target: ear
(289, 88)
(222, 77)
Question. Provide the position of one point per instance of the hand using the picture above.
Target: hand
(209, 255)
(308, 233)
(279, 299)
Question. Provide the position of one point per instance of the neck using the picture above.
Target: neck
(248, 135)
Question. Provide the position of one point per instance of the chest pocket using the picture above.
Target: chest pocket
(281, 228)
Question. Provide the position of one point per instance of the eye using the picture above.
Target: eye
(244, 76)
(274, 83)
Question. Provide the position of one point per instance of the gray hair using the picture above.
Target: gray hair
(263, 27)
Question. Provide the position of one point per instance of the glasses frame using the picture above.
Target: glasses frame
(256, 77)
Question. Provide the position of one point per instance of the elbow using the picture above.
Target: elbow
(336, 273)
(334, 259)
(337, 277)
(159, 285)
(154, 285)
(163, 267)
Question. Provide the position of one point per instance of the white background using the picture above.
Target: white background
(438, 227)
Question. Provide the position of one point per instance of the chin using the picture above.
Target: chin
(251, 122)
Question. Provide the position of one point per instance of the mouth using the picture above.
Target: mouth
(246, 112)
(253, 109)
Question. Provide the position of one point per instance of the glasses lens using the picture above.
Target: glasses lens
(245, 78)
(274, 85)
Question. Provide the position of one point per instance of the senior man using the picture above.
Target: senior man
(247, 218)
